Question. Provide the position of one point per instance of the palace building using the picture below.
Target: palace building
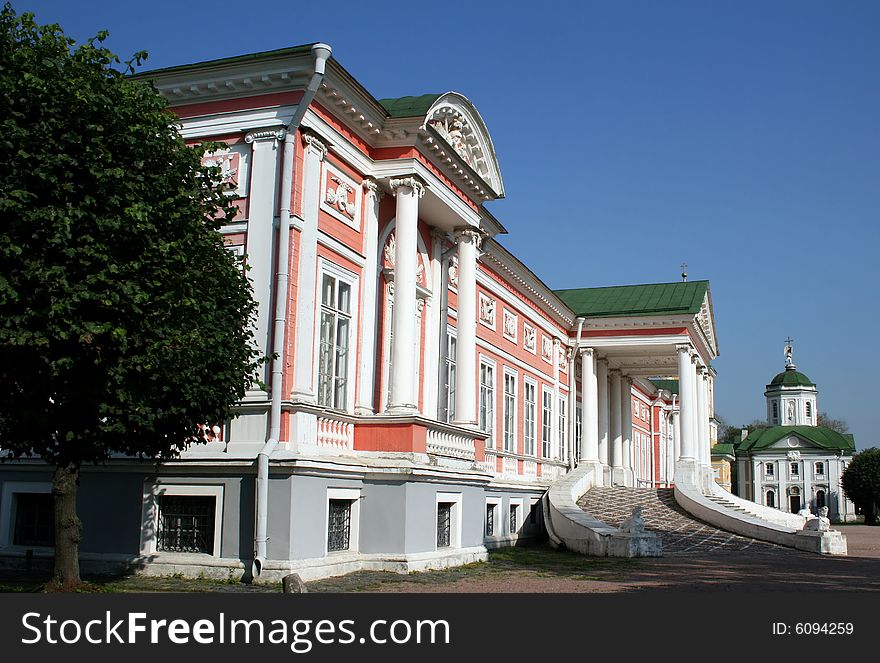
(427, 387)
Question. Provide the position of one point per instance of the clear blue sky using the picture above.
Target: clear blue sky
(741, 137)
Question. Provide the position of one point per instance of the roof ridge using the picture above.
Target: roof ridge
(631, 285)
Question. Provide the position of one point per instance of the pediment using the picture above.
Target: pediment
(456, 122)
(793, 442)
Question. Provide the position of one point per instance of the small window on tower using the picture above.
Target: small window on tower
(775, 412)
(809, 410)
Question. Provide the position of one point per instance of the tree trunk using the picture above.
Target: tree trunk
(871, 514)
(68, 528)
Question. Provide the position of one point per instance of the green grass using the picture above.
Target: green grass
(536, 561)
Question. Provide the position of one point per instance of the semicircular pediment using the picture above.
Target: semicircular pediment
(458, 123)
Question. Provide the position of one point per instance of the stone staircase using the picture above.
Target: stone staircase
(680, 532)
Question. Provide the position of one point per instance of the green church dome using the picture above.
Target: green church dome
(791, 378)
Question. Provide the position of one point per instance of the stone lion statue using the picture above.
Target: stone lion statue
(635, 524)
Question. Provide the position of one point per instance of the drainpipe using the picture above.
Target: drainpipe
(572, 391)
(322, 53)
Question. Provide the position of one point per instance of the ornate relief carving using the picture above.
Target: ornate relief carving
(338, 197)
(530, 336)
(453, 271)
(229, 164)
(371, 187)
(388, 253)
(413, 183)
(268, 134)
(547, 349)
(315, 144)
(469, 235)
(509, 326)
(487, 311)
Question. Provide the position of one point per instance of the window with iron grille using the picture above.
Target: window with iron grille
(530, 405)
(490, 520)
(513, 518)
(339, 525)
(487, 400)
(34, 519)
(333, 353)
(546, 423)
(509, 412)
(186, 524)
(444, 524)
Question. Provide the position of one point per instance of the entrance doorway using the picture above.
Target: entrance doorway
(794, 502)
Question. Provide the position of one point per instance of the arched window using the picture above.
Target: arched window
(820, 499)
(771, 499)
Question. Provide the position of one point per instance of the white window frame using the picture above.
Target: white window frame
(816, 471)
(770, 470)
(150, 513)
(561, 426)
(495, 503)
(325, 267)
(352, 495)
(533, 384)
(492, 417)
(454, 519)
(447, 413)
(512, 433)
(7, 515)
(547, 443)
(519, 504)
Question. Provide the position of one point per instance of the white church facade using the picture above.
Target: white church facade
(795, 463)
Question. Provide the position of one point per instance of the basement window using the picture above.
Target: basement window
(186, 523)
(34, 519)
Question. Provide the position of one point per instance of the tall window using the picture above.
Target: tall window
(577, 427)
(510, 412)
(514, 518)
(487, 400)
(444, 524)
(794, 469)
(490, 520)
(449, 379)
(335, 332)
(34, 519)
(775, 411)
(546, 423)
(820, 469)
(563, 427)
(768, 469)
(529, 417)
(809, 410)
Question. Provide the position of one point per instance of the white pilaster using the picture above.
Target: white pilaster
(589, 407)
(703, 418)
(468, 241)
(404, 393)
(262, 206)
(367, 350)
(556, 442)
(306, 287)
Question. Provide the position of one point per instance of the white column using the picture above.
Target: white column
(616, 429)
(589, 407)
(369, 283)
(687, 405)
(306, 274)
(602, 410)
(626, 428)
(261, 230)
(556, 442)
(671, 446)
(468, 240)
(404, 394)
(435, 333)
(703, 418)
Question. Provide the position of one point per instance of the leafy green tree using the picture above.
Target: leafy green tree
(124, 323)
(861, 483)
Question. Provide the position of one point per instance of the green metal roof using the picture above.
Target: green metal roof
(722, 450)
(409, 106)
(821, 436)
(683, 297)
(668, 385)
(290, 50)
(791, 378)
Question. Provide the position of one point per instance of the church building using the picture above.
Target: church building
(795, 463)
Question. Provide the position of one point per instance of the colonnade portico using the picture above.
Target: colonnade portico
(608, 369)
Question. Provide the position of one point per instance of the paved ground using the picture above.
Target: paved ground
(682, 534)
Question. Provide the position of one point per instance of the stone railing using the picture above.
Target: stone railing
(442, 441)
(335, 434)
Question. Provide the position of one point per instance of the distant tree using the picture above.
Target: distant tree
(861, 483)
(124, 323)
(838, 425)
